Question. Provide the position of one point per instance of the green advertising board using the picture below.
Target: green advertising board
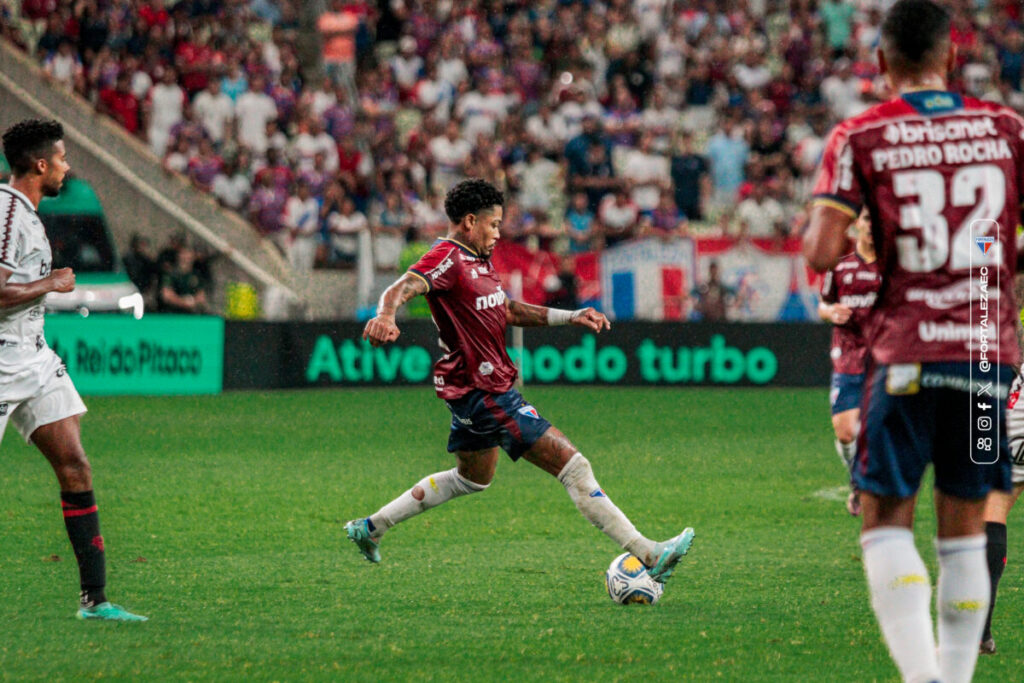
(116, 354)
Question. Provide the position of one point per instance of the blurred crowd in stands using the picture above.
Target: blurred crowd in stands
(603, 120)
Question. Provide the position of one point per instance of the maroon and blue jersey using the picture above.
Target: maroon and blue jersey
(853, 283)
(468, 307)
(943, 178)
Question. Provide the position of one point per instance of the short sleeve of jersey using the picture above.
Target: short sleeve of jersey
(828, 287)
(10, 217)
(837, 185)
(438, 267)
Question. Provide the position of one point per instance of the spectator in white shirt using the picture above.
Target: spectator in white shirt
(215, 111)
(539, 180)
(163, 109)
(547, 129)
(65, 68)
(231, 186)
(618, 215)
(312, 140)
(434, 96)
(450, 153)
(647, 174)
(253, 111)
(842, 90)
(406, 65)
(345, 227)
(302, 220)
(760, 215)
(751, 73)
(480, 111)
(660, 120)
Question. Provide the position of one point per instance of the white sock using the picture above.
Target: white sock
(963, 604)
(901, 595)
(578, 479)
(847, 453)
(437, 488)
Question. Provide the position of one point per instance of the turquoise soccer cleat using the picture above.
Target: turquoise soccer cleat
(359, 533)
(106, 611)
(670, 555)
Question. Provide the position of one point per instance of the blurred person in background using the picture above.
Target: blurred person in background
(691, 182)
(181, 289)
(141, 267)
(345, 225)
(713, 297)
(302, 220)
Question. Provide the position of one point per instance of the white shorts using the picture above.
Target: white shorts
(40, 393)
(1015, 429)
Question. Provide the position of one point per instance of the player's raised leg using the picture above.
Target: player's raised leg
(899, 585)
(473, 474)
(555, 454)
(60, 442)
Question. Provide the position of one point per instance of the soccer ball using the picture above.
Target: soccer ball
(628, 582)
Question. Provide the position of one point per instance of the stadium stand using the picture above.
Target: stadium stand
(671, 117)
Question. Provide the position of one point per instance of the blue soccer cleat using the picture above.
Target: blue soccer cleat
(106, 611)
(671, 553)
(358, 531)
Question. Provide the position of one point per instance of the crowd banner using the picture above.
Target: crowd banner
(294, 355)
(115, 354)
(653, 279)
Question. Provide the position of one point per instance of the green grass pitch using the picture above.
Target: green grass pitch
(223, 522)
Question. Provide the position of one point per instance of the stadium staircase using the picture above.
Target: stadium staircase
(140, 197)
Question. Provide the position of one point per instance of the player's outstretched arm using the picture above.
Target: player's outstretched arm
(527, 315)
(381, 329)
(60, 280)
(825, 239)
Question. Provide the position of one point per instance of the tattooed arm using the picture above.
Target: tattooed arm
(527, 315)
(382, 329)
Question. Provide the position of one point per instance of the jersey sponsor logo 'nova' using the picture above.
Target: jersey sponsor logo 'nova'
(858, 300)
(490, 301)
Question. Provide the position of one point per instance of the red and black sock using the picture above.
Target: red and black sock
(83, 524)
(996, 552)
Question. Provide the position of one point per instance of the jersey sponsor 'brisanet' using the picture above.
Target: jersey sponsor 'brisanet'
(943, 178)
(468, 306)
(853, 283)
(25, 251)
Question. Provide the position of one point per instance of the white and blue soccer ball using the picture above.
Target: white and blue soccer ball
(628, 582)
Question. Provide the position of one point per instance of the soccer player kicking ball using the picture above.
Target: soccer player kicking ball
(942, 176)
(475, 377)
(848, 294)
(36, 393)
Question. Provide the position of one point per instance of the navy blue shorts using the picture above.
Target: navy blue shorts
(918, 414)
(846, 392)
(482, 420)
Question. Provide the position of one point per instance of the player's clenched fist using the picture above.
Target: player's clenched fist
(381, 330)
(591, 319)
(63, 280)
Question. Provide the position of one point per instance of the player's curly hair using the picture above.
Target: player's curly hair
(915, 34)
(28, 141)
(471, 196)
